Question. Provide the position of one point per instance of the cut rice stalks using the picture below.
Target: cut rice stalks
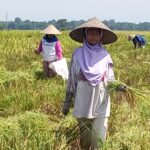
(131, 93)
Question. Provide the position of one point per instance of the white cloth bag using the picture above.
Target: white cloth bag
(60, 67)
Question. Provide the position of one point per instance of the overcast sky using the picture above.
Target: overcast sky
(44, 10)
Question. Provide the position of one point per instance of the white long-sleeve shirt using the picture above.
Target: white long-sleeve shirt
(90, 101)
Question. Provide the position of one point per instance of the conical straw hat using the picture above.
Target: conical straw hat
(78, 34)
(130, 37)
(51, 30)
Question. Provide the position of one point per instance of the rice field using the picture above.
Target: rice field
(30, 104)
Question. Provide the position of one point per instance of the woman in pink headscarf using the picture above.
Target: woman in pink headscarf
(50, 49)
(90, 70)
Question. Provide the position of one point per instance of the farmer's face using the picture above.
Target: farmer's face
(93, 36)
(49, 35)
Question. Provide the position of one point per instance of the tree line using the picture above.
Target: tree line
(64, 24)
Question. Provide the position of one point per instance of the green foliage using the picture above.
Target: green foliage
(68, 25)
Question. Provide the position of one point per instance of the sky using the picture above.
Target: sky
(134, 11)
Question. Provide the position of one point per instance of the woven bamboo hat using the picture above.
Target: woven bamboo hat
(78, 34)
(130, 37)
(51, 30)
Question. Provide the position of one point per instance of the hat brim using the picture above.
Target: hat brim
(78, 35)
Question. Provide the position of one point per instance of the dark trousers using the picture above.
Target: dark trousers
(48, 71)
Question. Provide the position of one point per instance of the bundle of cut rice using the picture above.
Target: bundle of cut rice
(139, 91)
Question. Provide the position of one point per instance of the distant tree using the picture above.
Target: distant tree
(11, 25)
(62, 24)
(2, 26)
(54, 22)
(18, 20)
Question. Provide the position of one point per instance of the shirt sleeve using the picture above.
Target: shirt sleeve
(58, 50)
(110, 72)
(72, 78)
(71, 84)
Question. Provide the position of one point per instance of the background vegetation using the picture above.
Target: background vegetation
(64, 24)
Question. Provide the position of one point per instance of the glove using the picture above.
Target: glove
(67, 103)
(122, 88)
(65, 108)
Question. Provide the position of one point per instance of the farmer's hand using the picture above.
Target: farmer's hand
(122, 88)
(36, 51)
(65, 108)
(67, 103)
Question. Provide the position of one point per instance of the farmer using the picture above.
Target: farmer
(90, 71)
(50, 49)
(138, 41)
